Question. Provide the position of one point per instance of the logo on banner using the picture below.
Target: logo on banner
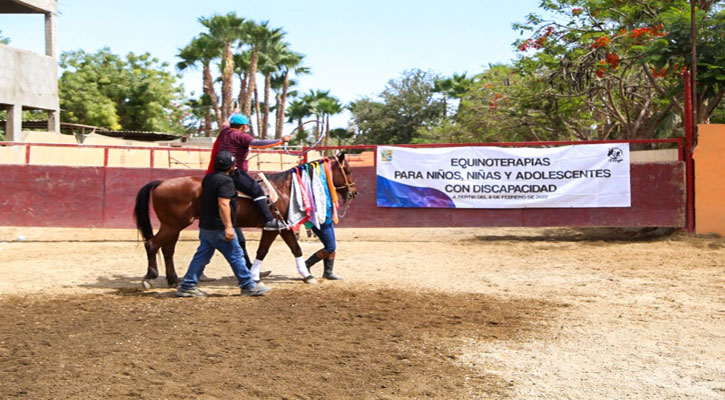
(386, 155)
(615, 154)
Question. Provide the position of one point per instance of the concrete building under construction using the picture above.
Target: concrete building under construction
(29, 81)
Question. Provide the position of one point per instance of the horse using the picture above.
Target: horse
(177, 202)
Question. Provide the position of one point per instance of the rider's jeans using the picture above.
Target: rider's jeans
(211, 240)
(326, 233)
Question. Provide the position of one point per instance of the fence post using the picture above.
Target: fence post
(689, 162)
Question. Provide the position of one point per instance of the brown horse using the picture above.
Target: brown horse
(176, 202)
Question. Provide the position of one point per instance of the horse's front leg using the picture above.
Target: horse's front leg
(289, 237)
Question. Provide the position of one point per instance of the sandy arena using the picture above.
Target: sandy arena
(422, 313)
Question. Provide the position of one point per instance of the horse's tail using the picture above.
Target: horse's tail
(141, 211)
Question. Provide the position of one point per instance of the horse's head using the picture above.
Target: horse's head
(342, 177)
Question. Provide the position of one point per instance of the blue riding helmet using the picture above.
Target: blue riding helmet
(238, 119)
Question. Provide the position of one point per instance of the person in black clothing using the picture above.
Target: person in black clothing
(216, 231)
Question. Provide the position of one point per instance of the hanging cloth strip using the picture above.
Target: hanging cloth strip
(318, 190)
(305, 197)
(329, 207)
(307, 183)
(333, 193)
(296, 212)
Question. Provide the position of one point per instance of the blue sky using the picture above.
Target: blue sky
(352, 48)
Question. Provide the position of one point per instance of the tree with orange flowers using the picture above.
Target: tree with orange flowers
(622, 60)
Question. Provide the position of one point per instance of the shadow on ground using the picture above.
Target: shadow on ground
(324, 343)
(588, 235)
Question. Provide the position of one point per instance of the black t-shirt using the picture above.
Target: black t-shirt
(214, 186)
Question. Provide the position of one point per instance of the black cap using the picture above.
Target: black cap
(224, 160)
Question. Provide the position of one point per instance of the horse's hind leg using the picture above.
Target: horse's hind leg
(164, 236)
(152, 271)
(168, 249)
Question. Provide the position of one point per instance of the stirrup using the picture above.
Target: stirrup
(278, 225)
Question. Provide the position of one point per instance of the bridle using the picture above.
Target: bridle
(349, 185)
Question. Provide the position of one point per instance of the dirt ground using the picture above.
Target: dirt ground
(449, 313)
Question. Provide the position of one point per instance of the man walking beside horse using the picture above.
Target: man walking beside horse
(217, 219)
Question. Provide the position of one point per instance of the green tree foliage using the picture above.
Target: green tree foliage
(452, 88)
(135, 93)
(406, 106)
(342, 136)
(3, 39)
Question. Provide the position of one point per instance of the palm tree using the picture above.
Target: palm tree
(241, 68)
(268, 65)
(203, 50)
(328, 106)
(227, 30)
(259, 36)
(299, 110)
(289, 61)
(313, 100)
(454, 87)
(443, 86)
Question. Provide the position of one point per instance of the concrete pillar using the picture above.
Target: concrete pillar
(14, 124)
(51, 41)
(54, 121)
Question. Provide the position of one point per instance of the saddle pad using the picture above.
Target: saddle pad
(266, 186)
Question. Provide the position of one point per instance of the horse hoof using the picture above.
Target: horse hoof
(147, 284)
(310, 280)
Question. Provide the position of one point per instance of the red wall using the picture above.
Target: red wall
(93, 197)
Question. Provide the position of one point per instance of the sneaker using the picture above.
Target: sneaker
(274, 225)
(190, 292)
(259, 290)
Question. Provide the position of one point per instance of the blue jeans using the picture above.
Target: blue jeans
(211, 240)
(326, 233)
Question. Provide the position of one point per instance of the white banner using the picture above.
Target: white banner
(586, 175)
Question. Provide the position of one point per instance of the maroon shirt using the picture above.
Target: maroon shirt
(236, 142)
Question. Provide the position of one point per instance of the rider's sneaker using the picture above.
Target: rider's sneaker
(274, 225)
(259, 290)
(190, 292)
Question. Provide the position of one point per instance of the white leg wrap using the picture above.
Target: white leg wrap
(301, 267)
(256, 267)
